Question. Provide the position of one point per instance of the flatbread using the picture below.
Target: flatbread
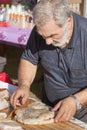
(3, 115)
(4, 104)
(38, 113)
(4, 93)
(10, 125)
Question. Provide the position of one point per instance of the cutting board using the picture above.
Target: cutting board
(54, 126)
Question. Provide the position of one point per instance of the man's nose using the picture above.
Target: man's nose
(49, 41)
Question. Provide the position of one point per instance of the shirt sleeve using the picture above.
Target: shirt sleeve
(32, 48)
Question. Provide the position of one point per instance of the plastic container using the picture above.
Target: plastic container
(2, 63)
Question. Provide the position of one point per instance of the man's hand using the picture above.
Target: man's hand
(19, 97)
(65, 109)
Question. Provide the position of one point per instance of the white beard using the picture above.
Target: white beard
(63, 40)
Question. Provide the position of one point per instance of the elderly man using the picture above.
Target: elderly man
(59, 42)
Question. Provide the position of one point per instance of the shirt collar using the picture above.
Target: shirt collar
(75, 32)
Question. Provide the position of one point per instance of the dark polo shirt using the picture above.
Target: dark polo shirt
(65, 70)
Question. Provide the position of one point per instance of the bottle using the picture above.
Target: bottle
(12, 14)
(2, 13)
(7, 13)
(23, 20)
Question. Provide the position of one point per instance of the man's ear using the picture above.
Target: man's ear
(70, 22)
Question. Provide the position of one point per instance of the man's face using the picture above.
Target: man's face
(53, 34)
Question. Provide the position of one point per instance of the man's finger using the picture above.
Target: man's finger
(12, 99)
(56, 107)
(24, 99)
(58, 116)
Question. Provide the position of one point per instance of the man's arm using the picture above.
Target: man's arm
(26, 75)
(82, 97)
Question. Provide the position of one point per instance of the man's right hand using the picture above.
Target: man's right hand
(19, 97)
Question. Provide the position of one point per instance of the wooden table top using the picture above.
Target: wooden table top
(54, 126)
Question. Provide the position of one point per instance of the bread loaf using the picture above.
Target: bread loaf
(37, 113)
(10, 125)
(4, 103)
(4, 93)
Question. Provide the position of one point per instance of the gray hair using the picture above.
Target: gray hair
(51, 9)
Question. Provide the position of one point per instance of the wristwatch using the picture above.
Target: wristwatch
(78, 104)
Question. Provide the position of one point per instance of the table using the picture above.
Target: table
(54, 126)
(15, 36)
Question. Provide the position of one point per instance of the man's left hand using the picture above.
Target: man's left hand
(65, 109)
